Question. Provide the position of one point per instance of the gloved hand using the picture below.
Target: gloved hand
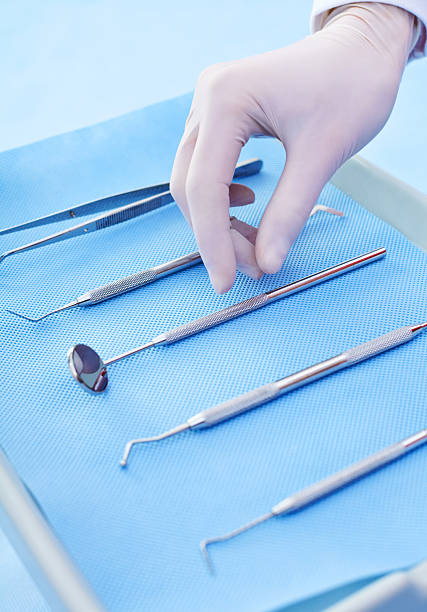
(324, 98)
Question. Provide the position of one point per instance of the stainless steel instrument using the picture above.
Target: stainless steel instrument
(123, 285)
(154, 197)
(90, 371)
(139, 279)
(329, 485)
(266, 393)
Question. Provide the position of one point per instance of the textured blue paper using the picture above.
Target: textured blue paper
(135, 533)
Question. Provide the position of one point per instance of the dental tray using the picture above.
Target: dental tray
(134, 534)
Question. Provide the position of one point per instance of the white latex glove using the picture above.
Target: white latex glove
(324, 98)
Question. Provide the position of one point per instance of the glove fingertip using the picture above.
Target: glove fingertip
(221, 282)
(270, 256)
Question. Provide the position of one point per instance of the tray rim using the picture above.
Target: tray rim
(384, 195)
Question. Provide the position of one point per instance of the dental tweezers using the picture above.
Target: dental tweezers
(153, 197)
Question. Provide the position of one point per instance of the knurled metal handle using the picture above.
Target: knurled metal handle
(378, 345)
(193, 327)
(121, 285)
(340, 479)
(235, 406)
(134, 210)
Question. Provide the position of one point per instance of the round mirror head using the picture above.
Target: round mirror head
(87, 368)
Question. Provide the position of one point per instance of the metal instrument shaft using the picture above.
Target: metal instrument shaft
(243, 169)
(142, 278)
(325, 487)
(270, 391)
(188, 329)
(120, 214)
(123, 285)
(90, 371)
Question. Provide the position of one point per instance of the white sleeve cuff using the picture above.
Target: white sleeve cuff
(416, 7)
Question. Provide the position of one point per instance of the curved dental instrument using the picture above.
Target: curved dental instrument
(123, 285)
(270, 391)
(325, 487)
(90, 371)
(139, 279)
(118, 215)
(244, 168)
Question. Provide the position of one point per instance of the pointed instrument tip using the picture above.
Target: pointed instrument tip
(166, 434)
(326, 209)
(204, 550)
(24, 317)
(124, 459)
(35, 320)
(231, 534)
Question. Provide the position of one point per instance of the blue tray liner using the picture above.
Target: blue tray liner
(135, 532)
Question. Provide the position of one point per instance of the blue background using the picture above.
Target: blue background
(68, 64)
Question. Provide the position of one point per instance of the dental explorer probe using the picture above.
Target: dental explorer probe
(122, 285)
(325, 487)
(142, 278)
(90, 371)
(270, 391)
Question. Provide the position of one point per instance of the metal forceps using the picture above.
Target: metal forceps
(150, 198)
